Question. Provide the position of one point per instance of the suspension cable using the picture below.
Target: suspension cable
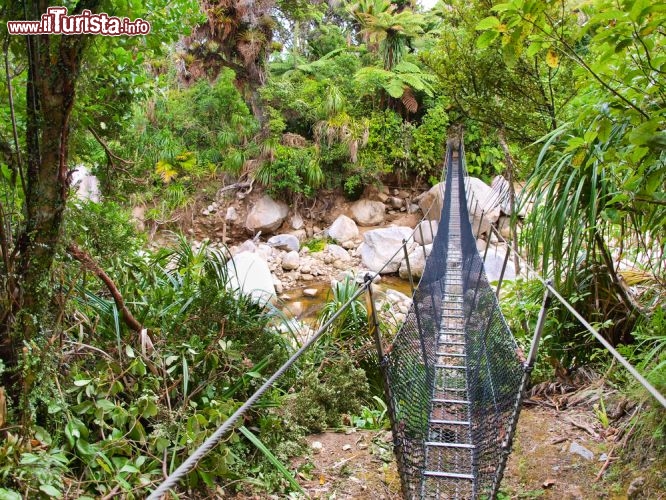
(221, 431)
(621, 359)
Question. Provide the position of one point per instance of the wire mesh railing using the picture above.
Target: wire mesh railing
(453, 376)
(454, 369)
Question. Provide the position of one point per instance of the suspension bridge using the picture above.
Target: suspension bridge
(454, 376)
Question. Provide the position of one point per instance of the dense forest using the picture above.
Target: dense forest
(122, 343)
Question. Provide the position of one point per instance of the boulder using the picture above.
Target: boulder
(395, 202)
(231, 215)
(287, 242)
(495, 260)
(291, 261)
(367, 212)
(266, 215)
(427, 228)
(504, 226)
(483, 202)
(265, 252)
(501, 190)
(431, 202)
(343, 229)
(86, 184)
(338, 253)
(247, 246)
(417, 262)
(481, 245)
(380, 245)
(297, 222)
(250, 274)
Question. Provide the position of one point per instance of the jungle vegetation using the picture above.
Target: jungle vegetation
(116, 361)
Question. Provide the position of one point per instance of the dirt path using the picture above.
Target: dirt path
(557, 455)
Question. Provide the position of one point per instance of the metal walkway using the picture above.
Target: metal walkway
(453, 373)
(449, 448)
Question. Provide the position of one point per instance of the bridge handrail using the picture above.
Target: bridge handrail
(621, 359)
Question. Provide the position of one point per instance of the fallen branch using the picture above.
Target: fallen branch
(238, 185)
(88, 263)
(583, 426)
(109, 154)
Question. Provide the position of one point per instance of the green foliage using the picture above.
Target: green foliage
(187, 134)
(353, 322)
(317, 244)
(429, 143)
(133, 406)
(328, 392)
(373, 418)
(295, 171)
(118, 239)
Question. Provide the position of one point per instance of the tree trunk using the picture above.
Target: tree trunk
(53, 68)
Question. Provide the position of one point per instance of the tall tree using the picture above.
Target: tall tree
(53, 66)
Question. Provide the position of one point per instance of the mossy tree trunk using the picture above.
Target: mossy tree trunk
(54, 63)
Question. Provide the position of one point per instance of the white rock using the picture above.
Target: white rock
(343, 229)
(337, 252)
(483, 202)
(367, 212)
(279, 288)
(500, 187)
(297, 222)
(231, 215)
(291, 261)
(362, 273)
(395, 202)
(310, 292)
(394, 296)
(579, 449)
(481, 245)
(380, 245)
(300, 234)
(429, 230)
(417, 261)
(249, 273)
(316, 446)
(266, 215)
(347, 447)
(265, 252)
(495, 260)
(349, 244)
(247, 246)
(504, 225)
(412, 208)
(285, 242)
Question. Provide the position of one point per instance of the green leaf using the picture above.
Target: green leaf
(129, 468)
(271, 458)
(395, 88)
(82, 382)
(486, 39)
(186, 376)
(6, 494)
(488, 23)
(50, 490)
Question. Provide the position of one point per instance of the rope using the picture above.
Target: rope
(621, 359)
(215, 438)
